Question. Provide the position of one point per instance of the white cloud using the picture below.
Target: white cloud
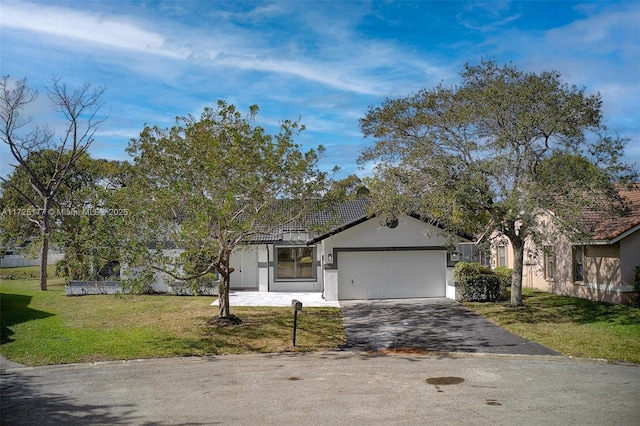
(338, 57)
(86, 27)
(118, 133)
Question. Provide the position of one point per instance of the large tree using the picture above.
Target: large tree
(83, 212)
(208, 185)
(495, 153)
(80, 109)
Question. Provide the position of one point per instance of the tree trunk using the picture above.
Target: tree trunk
(223, 296)
(518, 265)
(225, 271)
(44, 250)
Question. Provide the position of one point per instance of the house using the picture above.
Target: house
(357, 257)
(600, 268)
(13, 256)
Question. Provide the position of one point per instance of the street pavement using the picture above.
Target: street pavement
(326, 388)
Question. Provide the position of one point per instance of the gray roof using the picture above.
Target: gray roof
(322, 223)
(344, 216)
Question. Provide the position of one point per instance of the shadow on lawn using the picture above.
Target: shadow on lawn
(14, 309)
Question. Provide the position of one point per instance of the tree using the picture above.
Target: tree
(208, 185)
(88, 217)
(83, 212)
(350, 187)
(80, 108)
(493, 154)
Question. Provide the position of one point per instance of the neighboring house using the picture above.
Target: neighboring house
(600, 268)
(14, 256)
(358, 257)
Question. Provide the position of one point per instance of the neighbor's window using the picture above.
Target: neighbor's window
(502, 256)
(295, 263)
(578, 263)
(549, 263)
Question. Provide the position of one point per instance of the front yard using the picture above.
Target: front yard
(41, 328)
(571, 326)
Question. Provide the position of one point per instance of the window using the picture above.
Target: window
(578, 263)
(502, 256)
(468, 252)
(549, 263)
(295, 263)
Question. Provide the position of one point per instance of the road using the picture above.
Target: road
(331, 388)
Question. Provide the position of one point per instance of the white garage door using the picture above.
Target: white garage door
(391, 274)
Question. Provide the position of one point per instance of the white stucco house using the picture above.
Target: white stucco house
(359, 257)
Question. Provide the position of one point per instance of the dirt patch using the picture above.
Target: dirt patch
(224, 321)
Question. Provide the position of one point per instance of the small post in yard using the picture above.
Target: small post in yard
(297, 306)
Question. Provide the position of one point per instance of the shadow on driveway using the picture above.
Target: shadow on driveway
(440, 325)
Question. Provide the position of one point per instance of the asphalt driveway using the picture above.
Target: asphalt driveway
(440, 325)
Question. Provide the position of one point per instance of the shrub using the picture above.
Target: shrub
(469, 269)
(505, 275)
(476, 283)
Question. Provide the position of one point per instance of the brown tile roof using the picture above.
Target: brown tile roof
(611, 227)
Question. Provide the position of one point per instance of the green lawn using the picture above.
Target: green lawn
(50, 328)
(41, 328)
(571, 326)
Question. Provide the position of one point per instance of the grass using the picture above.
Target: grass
(572, 326)
(41, 328)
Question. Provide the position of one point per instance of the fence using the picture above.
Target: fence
(15, 260)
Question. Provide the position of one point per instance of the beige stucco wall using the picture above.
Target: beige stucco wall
(602, 264)
(629, 257)
(608, 269)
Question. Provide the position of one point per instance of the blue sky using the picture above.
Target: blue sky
(323, 62)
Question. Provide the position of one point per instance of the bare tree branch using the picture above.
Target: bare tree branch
(80, 107)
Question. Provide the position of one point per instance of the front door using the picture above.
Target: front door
(244, 261)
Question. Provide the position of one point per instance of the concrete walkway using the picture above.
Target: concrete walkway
(263, 298)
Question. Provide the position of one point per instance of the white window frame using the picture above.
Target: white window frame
(501, 253)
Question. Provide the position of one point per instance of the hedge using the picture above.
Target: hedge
(477, 283)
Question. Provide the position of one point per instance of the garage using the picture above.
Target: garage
(391, 274)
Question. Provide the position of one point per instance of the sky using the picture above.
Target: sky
(322, 62)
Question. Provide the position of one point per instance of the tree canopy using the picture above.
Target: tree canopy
(209, 185)
(82, 213)
(495, 152)
(46, 160)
